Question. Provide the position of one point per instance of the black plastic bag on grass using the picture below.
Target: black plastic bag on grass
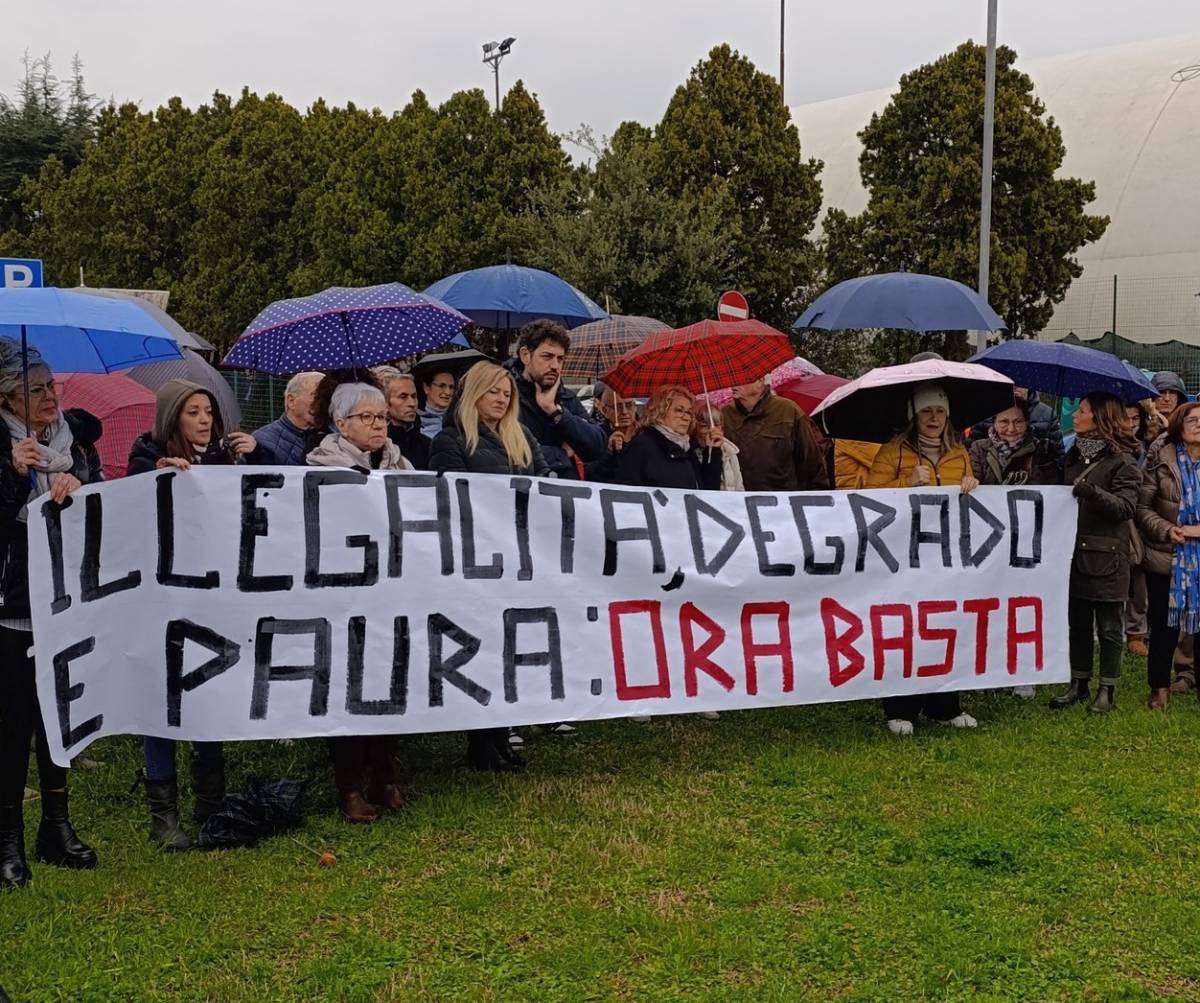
(263, 809)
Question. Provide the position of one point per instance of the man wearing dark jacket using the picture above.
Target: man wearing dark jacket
(616, 417)
(283, 439)
(779, 448)
(550, 411)
(404, 423)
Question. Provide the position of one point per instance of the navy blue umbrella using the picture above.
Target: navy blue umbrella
(904, 300)
(508, 296)
(1066, 370)
(345, 328)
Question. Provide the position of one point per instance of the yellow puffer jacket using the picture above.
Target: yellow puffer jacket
(852, 462)
(895, 462)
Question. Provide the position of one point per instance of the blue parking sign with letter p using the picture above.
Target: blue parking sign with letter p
(17, 273)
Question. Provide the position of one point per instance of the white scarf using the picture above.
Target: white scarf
(55, 453)
(337, 451)
(682, 441)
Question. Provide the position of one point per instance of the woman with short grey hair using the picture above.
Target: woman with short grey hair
(43, 451)
(364, 766)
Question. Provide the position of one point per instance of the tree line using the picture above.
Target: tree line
(244, 200)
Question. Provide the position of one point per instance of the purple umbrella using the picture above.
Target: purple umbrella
(345, 328)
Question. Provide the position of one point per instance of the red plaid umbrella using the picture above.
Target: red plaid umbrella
(598, 346)
(709, 354)
(125, 408)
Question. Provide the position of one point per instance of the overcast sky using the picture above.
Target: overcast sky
(598, 62)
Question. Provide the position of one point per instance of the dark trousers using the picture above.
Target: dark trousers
(1163, 637)
(1106, 620)
(21, 722)
(160, 757)
(935, 706)
(363, 761)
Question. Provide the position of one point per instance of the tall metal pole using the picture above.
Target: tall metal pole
(781, 3)
(496, 73)
(985, 197)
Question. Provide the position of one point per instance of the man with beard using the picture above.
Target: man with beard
(550, 411)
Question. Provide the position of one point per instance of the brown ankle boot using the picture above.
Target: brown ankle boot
(1159, 698)
(357, 809)
(389, 796)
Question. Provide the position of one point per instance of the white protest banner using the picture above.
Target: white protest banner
(253, 603)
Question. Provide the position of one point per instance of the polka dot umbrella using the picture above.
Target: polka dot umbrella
(345, 328)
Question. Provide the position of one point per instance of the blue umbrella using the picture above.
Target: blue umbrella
(507, 296)
(77, 333)
(345, 328)
(1066, 370)
(904, 300)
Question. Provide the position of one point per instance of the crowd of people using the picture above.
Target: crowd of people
(1135, 470)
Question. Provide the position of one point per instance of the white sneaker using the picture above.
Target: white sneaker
(640, 718)
(962, 721)
(898, 726)
(558, 729)
(1024, 692)
(710, 715)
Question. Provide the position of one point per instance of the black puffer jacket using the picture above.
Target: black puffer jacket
(652, 460)
(1107, 489)
(145, 453)
(14, 493)
(572, 429)
(449, 454)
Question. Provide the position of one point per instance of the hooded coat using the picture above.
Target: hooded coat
(150, 447)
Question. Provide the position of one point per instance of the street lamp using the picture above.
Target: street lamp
(493, 52)
(985, 194)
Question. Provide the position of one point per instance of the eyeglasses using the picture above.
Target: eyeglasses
(38, 391)
(682, 412)
(442, 386)
(1192, 421)
(370, 417)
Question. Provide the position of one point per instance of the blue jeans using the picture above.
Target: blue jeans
(160, 757)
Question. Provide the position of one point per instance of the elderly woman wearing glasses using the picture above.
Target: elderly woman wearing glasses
(43, 451)
(364, 766)
(662, 455)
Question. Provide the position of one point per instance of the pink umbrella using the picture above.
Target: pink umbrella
(875, 406)
(125, 408)
(791, 370)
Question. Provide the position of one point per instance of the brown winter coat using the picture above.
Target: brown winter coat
(780, 449)
(1158, 506)
(1032, 462)
(1107, 489)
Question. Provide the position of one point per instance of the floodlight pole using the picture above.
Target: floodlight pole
(493, 52)
(985, 196)
(781, 3)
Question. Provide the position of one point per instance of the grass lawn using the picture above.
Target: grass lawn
(780, 855)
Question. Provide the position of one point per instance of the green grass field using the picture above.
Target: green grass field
(783, 855)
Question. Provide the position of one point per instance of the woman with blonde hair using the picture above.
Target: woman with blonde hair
(483, 435)
(661, 455)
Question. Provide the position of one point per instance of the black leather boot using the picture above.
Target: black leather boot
(14, 871)
(506, 752)
(57, 841)
(1104, 702)
(483, 755)
(208, 787)
(165, 827)
(1077, 692)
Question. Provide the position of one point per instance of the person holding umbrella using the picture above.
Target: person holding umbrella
(928, 451)
(661, 455)
(1106, 480)
(364, 767)
(43, 450)
(188, 431)
(484, 435)
(438, 389)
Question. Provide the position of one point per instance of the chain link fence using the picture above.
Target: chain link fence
(259, 396)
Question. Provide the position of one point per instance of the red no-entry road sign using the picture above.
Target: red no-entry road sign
(733, 306)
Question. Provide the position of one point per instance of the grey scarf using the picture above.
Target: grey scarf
(55, 448)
